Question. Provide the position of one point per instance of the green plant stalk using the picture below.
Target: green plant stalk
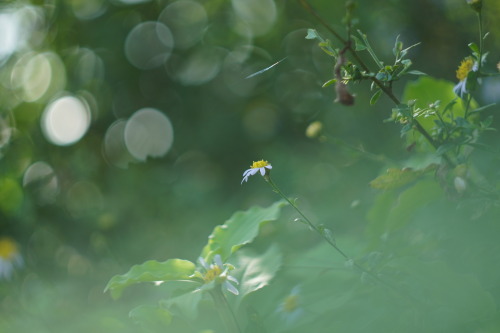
(226, 314)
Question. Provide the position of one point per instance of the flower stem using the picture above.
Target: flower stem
(225, 312)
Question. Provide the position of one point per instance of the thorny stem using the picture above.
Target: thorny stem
(226, 314)
(386, 90)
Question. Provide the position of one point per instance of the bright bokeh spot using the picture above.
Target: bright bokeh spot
(187, 19)
(8, 38)
(88, 9)
(258, 15)
(114, 148)
(41, 179)
(38, 76)
(65, 120)
(199, 67)
(148, 133)
(149, 45)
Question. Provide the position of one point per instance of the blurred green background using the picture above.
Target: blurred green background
(125, 127)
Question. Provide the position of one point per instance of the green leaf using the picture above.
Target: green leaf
(447, 296)
(239, 230)
(395, 178)
(150, 271)
(375, 97)
(185, 305)
(151, 318)
(11, 196)
(415, 72)
(329, 83)
(426, 91)
(313, 34)
(258, 271)
(474, 47)
(359, 45)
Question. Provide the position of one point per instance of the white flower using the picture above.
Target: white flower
(290, 309)
(218, 272)
(9, 257)
(260, 166)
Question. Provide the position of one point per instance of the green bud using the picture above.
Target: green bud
(475, 4)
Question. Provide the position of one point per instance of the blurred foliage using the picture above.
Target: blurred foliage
(125, 126)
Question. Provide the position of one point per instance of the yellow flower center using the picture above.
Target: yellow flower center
(259, 164)
(8, 248)
(212, 273)
(291, 303)
(464, 68)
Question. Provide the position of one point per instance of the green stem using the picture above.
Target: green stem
(225, 312)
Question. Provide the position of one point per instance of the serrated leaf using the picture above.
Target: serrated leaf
(150, 271)
(239, 230)
(375, 97)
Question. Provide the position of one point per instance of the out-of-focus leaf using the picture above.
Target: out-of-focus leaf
(11, 195)
(447, 299)
(151, 318)
(375, 97)
(258, 271)
(395, 178)
(390, 212)
(427, 90)
(239, 230)
(150, 271)
(185, 305)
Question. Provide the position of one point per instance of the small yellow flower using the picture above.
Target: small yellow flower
(9, 257)
(260, 166)
(465, 67)
(218, 273)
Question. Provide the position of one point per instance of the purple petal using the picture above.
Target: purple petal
(232, 289)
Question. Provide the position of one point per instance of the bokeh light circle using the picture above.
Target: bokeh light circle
(65, 120)
(187, 19)
(42, 180)
(149, 45)
(148, 133)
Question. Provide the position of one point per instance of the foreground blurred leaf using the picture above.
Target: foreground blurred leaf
(448, 299)
(395, 178)
(185, 305)
(258, 271)
(151, 318)
(239, 230)
(11, 195)
(150, 271)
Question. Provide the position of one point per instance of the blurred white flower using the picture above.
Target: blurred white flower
(290, 309)
(10, 258)
(260, 166)
(218, 272)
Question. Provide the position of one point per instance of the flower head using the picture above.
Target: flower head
(466, 66)
(475, 4)
(9, 257)
(290, 306)
(260, 166)
(218, 272)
